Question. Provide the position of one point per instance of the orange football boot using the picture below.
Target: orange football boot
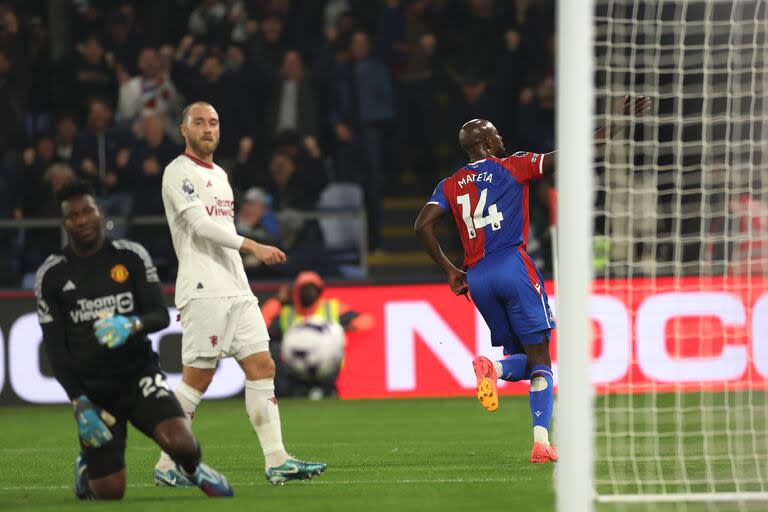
(542, 454)
(486, 375)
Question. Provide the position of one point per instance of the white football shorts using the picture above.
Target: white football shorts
(214, 328)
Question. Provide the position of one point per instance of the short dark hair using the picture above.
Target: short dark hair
(75, 188)
(185, 112)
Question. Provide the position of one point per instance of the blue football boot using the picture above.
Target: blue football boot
(81, 488)
(211, 482)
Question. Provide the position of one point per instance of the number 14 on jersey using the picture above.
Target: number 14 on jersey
(476, 220)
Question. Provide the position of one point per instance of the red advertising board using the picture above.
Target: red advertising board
(663, 335)
(649, 335)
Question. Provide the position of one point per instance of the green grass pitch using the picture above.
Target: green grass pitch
(443, 454)
(387, 455)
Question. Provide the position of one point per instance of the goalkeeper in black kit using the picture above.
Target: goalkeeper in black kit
(96, 301)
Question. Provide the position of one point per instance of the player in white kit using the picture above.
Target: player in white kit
(219, 314)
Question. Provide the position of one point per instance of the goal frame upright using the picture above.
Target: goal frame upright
(574, 177)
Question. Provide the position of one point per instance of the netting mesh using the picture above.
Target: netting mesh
(681, 223)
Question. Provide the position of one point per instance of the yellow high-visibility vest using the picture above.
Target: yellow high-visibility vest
(327, 311)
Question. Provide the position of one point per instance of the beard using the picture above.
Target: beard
(203, 147)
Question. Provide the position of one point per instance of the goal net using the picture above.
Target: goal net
(680, 297)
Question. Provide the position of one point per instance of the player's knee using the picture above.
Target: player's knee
(267, 368)
(184, 450)
(175, 437)
(539, 360)
(110, 493)
(109, 488)
(261, 367)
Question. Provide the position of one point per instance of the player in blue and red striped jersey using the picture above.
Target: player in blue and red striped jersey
(488, 199)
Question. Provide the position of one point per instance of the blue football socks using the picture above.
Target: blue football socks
(541, 395)
(514, 368)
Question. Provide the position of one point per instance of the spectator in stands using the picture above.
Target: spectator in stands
(476, 100)
(89, 73)
(40, 242)
(391, 39)
(97, 158)
(481, 40)
(258, 60)
(149, 154)
(66, 131)
(30, 185)
(122, 41)
(151, 91)
(293, 105)
(145, 157)
(536, 117)
(256, 220)
(12, 105)
(268, 45)
(219, 21)
(362, 117)
(292, 187)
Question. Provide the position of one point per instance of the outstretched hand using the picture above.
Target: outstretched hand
(637, 106)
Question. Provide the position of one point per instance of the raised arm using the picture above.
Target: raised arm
(638, 106)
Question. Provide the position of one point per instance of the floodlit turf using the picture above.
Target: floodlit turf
(389, 455)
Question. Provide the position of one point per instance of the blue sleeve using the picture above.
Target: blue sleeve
(438, 197)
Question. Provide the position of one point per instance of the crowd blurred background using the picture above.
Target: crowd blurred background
(322, 103)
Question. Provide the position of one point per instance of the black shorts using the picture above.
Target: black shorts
(143, 399)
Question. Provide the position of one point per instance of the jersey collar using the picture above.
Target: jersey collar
(198, 161)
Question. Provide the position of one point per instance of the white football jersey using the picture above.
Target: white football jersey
(205, 268)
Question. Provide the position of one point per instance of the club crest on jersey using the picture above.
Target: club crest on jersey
(214, 340)
(119, 273)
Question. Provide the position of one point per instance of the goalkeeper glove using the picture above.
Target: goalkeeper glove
(92, 423)
(115, 330)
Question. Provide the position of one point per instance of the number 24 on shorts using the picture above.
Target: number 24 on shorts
(158, 385)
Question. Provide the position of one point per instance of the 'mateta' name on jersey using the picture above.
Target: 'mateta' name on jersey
(489, 202)
(475, 178)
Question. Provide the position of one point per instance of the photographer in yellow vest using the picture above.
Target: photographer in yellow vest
(307, 336)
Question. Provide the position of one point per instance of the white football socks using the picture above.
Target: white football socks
(189, 398)
(261, 406)
(541, 435)
(499, 368)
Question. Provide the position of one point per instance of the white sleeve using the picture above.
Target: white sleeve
(203, 226)
(179, 190)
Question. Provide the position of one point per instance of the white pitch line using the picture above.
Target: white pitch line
(314, 482)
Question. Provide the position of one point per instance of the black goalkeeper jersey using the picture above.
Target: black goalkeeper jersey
(74, 291)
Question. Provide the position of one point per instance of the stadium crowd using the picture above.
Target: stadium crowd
(309, 93)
